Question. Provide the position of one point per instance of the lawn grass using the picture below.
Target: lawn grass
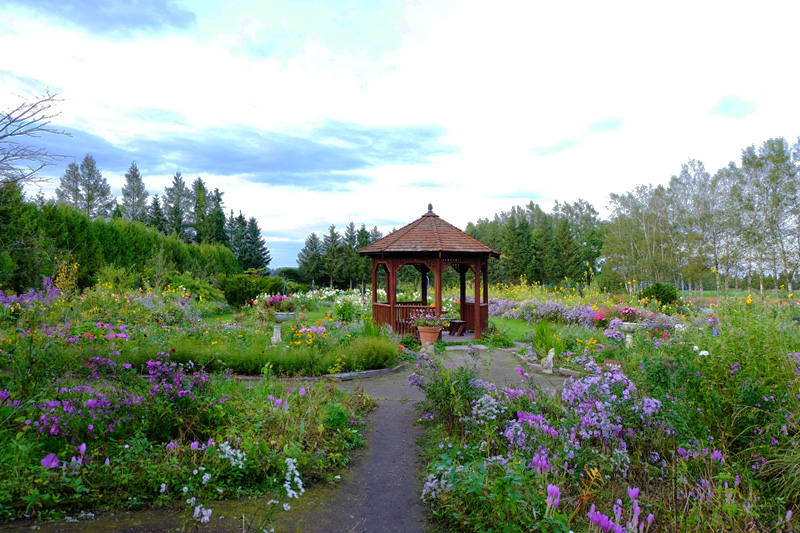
(515, 330)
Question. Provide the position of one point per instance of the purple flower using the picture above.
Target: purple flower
(82, 449)
(716, 455)
(172, 445)
(553, 494)
(633, 492)
(194, 445)
(50, 461)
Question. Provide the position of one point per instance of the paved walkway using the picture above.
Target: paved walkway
(380, 489)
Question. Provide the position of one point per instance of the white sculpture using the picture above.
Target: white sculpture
(547, 362)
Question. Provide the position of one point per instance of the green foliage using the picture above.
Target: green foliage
(665, 294)
(496, 337)
(240, 288)
(344, 310)
(85, 366)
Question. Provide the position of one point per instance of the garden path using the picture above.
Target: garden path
(379, 490)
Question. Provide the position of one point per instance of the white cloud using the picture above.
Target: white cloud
(501, 78)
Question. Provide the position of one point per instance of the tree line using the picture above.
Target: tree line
(194, 214)
(736, 228)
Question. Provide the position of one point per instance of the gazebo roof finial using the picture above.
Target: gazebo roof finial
(430, 208)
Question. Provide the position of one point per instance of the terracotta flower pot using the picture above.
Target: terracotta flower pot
(428, 334)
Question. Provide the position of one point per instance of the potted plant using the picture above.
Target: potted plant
(429, 325)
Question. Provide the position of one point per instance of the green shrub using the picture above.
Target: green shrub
(240, 288)
(666, 294)
(365, 353)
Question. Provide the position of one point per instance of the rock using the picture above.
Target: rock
(530, 354)
(547, 363)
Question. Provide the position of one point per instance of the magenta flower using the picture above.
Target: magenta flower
(50, 461)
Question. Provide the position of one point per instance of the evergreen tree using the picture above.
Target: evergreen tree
(69, 192)
(236, 228)
(156, 216)
(350, 263)
(309, 260)
(568, 264)
(216, 219)
(134, 196)
(98, 200)
(332, 255)
(255, 254)
(177, 202)
(85, 189)
(545, 257)
(200, 220)
(364, 263)
(117, 212)
(517, 252)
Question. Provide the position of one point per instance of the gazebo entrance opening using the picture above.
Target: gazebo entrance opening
(430, 245)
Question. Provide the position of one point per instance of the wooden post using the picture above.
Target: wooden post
(438, 288)
(424, 284)
(463, 296)
(476, 268)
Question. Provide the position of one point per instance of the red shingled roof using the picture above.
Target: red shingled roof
(429, 233)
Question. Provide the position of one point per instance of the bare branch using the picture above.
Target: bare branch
(20, 162)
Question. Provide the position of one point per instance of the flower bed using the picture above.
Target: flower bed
(698, 428)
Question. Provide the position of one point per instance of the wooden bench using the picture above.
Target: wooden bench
(457, 328)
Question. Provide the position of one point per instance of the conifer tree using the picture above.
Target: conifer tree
(134, 196)
(309, 260)
(86, 190)
(216, 219)
(255, 254)
(156, 216)
(176, 204)
(69, 192)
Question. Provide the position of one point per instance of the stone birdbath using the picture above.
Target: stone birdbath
(280, 318)
(628, 328)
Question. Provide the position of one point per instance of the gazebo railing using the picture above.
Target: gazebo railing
(400, 319)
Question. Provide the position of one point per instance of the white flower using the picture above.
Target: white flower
(704, 352)
(695, 348)
(286, 506)
(206, 477)
(185, 490)
(163, 488)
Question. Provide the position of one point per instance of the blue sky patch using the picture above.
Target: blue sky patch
(733, 107)
(114, 17)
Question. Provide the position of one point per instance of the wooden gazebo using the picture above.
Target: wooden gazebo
(430, 244)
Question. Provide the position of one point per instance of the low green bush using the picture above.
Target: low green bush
(666, 294)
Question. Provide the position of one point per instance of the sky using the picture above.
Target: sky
(311, 113)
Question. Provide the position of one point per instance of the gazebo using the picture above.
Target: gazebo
(430, 244)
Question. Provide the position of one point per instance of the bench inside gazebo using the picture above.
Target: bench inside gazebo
(431, 244)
